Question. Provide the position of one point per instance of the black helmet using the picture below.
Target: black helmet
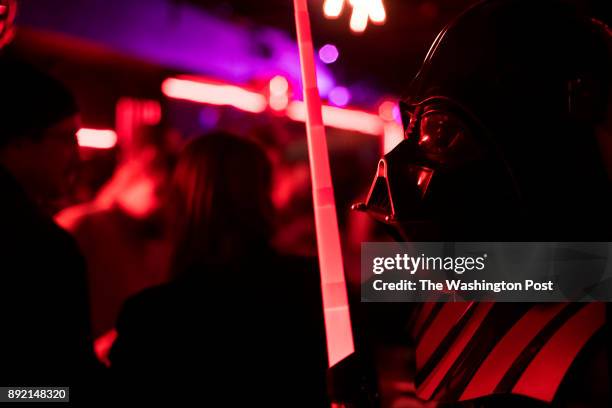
(500, 128)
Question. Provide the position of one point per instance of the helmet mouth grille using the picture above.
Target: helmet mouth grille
(379, 202)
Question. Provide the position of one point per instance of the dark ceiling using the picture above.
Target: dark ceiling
(384, 57)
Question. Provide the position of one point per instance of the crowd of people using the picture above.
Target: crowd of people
(222, 326)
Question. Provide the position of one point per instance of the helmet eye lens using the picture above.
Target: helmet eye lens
(440, 132)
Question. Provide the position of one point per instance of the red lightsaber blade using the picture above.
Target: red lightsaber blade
(335, 301)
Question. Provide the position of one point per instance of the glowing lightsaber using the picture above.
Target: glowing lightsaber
(335, 301)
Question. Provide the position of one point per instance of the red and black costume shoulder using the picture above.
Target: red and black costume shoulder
(478, 351)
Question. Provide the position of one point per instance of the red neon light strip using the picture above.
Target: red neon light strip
(214, 93)
(335, 301)
(218, 93)
(96, 138)
(348, 119)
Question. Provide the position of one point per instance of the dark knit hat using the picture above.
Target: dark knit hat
(30, 101)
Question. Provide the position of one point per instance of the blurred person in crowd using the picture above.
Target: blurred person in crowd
(46, 338)
(122, 231)
(239, 322)
(8, 10)
(292, 199)
(291, 194)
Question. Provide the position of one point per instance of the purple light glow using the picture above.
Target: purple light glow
(328, 53)
(397, 115)
(231, 52)
(339, 96)
(209, 117)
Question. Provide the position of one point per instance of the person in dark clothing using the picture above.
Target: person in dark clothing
(45, 338)
(239, 322)
(507, 138)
